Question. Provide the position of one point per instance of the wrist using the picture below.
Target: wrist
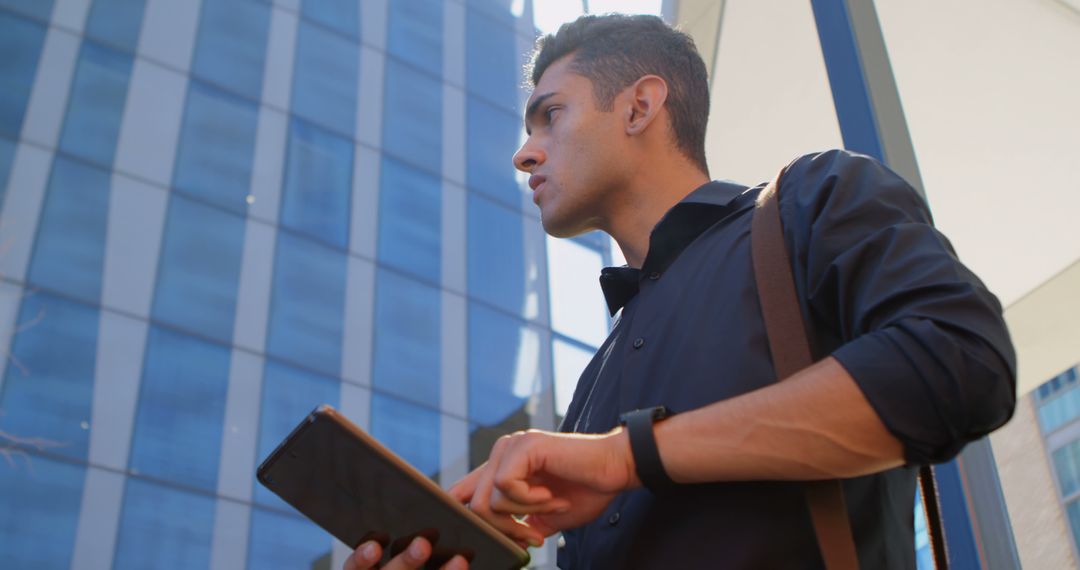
(624, 454)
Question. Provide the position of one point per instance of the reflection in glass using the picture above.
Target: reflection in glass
(493, 70)
(415, 30)
(217, 147)
(32, 536)
(410, 220)
(288, 396)
(96, 104)
(70, 247)
(163, 527)
(116, 22)
(39, 9)
(181, 410)
(20, 42)
(340, 15)
(578, 309)
(307, 304)
(493, 136)
(199, 269)
(7, 155)
(325, 78)
(412, 116)
(1073, 511)
(504, 365)
(406, 354)
(570, 360)
(50, 374)
(1067, 466)
(231, 44)
(408, 430)
(496, 269)
(318, 184)
(284, 541)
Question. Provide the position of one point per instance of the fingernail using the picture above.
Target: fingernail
(535, 542)
(416, 550)
(368, 551)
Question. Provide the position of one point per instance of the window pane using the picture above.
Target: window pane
(407, 317)
(410, 220)
(217, 147)
(493, 137)
(1067, 465)
(325, 78)
(415, 33)
(116, 22)
(7, 155)
(412, 123)
(1073, 510)
(504, 365)
(289, 395)
(496, 257)
(482, 438)
(162, 527)
(578, 309)
(570, 361)
(307, 304)
(408, 430)
(232, 44)
(70, 248)
(39, 511)
(20, 42)
(283, 541)
(1060, 411)
(181, 410)
(199, 268)
(492, 68)
(318, 184)
(50, 375)
(340, 15)
(96, 104)
(40, 9)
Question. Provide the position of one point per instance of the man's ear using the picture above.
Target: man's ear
(647, 97)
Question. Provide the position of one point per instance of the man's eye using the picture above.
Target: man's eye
(549, 112)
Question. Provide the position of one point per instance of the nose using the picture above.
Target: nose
(528, 157)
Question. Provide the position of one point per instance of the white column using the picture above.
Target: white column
(280, 54)
(132, 245)
(232, 524)
(49, 94)
(168, 32)
(357, 337)
(253, 289)
(453, 99)
(71, 14)
(22, 208)
(373, 16)
(150, 127)
(10, 301)
(369, 112)
(99, 518)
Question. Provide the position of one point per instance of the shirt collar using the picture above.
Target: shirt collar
(680, 226)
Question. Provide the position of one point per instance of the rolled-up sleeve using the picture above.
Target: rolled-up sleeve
(921, 335)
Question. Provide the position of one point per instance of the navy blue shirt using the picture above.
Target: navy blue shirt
(883, 293)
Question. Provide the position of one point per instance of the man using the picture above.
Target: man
(913, 358)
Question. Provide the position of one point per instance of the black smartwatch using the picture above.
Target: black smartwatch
(639, 426)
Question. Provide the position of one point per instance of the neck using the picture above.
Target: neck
(651, 193)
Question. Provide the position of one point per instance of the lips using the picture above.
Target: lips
(536, 180)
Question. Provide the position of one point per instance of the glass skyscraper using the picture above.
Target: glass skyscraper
(216, 215)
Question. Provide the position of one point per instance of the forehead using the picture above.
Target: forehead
(561, 78)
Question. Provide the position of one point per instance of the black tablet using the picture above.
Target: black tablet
(357, 490)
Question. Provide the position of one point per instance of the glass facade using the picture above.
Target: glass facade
(196, 227)
(1057, 405)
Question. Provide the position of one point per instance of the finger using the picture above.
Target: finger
(463, 489)
(481, 501)
(413, 557)
(456, 563)
(365, 556)
(545, 525)
(504, 505)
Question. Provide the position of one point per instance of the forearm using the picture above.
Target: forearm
(815, 425)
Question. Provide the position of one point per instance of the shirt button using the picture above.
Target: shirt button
(639, 342)
(613, 519)
(654, 275)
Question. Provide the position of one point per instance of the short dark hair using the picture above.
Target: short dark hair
(615, 50)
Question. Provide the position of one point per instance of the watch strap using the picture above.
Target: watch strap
(639, 427)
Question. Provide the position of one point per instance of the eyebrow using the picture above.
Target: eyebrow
(531, 111)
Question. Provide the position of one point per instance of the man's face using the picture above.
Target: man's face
(574, 152)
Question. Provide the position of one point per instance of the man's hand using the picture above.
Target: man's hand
(558, 480)
(367, 555)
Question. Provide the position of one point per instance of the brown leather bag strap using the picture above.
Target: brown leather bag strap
(790, 348)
